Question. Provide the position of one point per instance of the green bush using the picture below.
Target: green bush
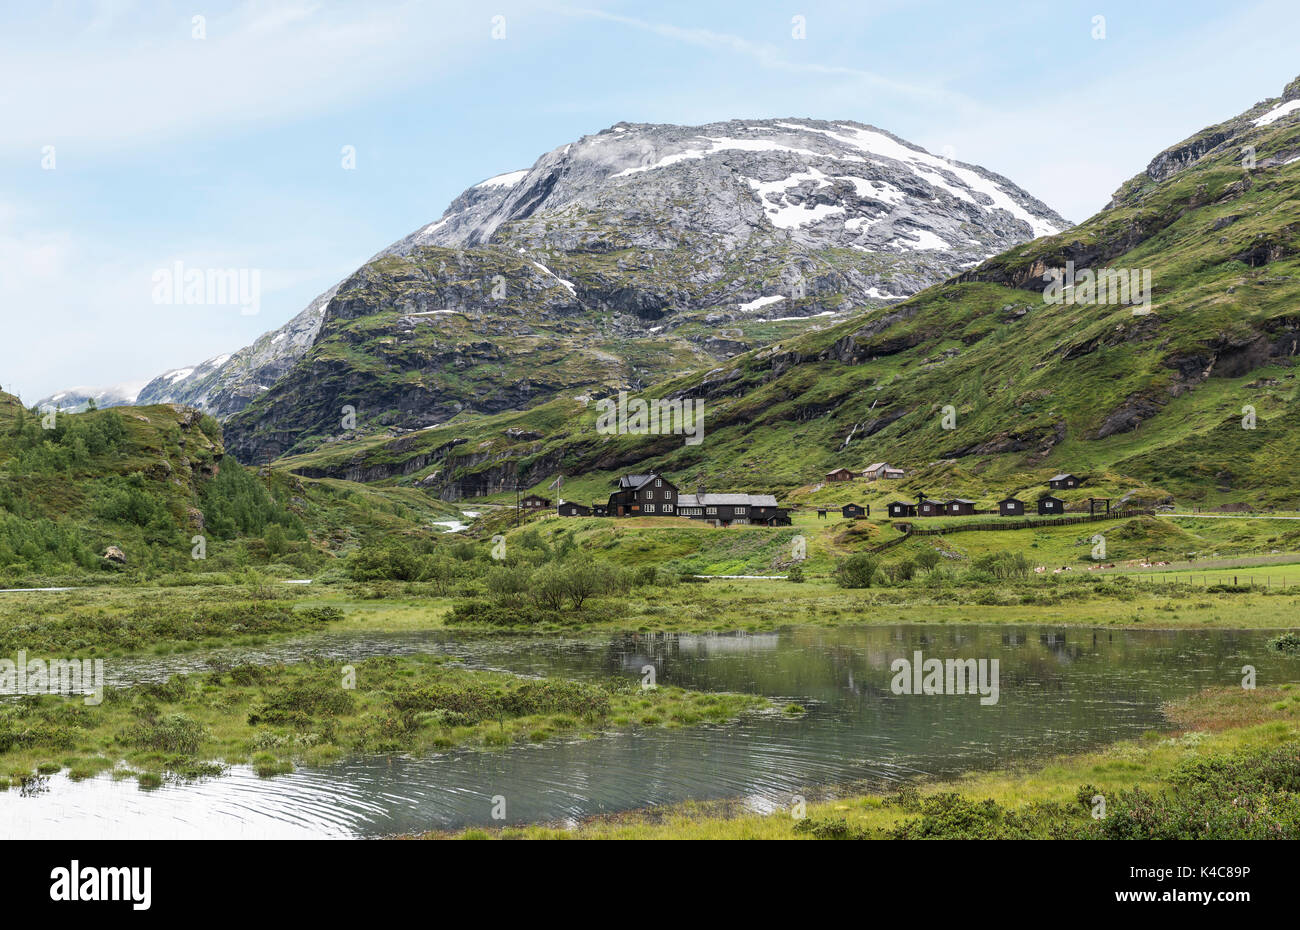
(857, 570)
(384, 561)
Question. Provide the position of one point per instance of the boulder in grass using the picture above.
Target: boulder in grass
(114, 554)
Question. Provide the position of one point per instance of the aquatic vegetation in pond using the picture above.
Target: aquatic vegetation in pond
(1288, 642)
(318, 711)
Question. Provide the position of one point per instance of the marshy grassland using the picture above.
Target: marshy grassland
(567, 577)
(271, 717)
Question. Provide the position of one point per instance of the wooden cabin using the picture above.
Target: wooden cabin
(902, 509)
(854, 511)
(764, 509)
(1047, 504)
(1064, 482)
(839, 474)
(573, 509)
(726, 509)
(882, 470)
(925, 507)
(534, 502)
(1011, 507)
(959, 507)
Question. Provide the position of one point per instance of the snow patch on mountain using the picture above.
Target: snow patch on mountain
(1275, 114)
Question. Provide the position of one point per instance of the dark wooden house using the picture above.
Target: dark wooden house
(726, 509)
(764, 509)
(902, 509)
(650, 495)
(1011, 507)
(1047, 504)
(925, 507)
(853, 511)
(839, 474)
(573, 509)
(1064, 482)
(653, 495)
(959, 507)
(534, 502)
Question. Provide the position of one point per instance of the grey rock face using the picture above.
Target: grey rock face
(823, 184)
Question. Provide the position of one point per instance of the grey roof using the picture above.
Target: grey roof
(960, 500)
(726, 500)
(633, 481)
(1062, 475)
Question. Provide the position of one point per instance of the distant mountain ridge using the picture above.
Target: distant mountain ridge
(77, 399)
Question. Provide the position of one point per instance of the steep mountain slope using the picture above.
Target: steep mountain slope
(228, 383)
(660, 249)
(1194, 398)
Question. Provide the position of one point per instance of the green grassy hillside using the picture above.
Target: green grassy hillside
(152, 480)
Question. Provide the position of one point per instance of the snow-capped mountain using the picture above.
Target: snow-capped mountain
(706, 231)
(843, 184)
(77, 399)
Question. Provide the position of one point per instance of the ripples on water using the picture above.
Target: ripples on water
(1060, 692)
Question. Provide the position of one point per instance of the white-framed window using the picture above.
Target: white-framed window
(740, 510)
(659, 482)
(710, 510)
(649, 508)
(955, 508)
(668, 508)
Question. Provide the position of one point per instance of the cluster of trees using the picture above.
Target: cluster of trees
(863, 569)
(531, 572)
(573, 581)
(73, 442)
(235, 503)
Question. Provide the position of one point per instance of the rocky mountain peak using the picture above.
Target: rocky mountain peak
(708, 231)
(828, 184)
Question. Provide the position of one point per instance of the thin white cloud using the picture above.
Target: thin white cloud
(133, 76)
(767, 56)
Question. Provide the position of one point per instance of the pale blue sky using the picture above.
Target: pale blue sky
(225, 151)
